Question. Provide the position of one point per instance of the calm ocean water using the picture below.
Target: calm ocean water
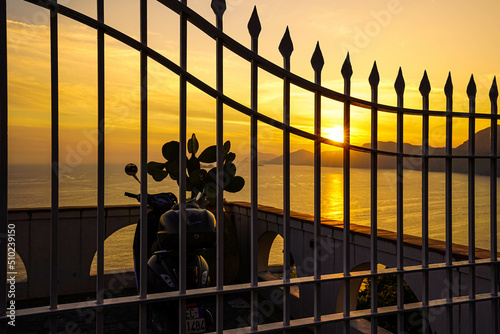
(29, 187)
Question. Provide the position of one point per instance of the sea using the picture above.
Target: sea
(30, 187)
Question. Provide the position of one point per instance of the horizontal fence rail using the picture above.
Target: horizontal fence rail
(317, 281)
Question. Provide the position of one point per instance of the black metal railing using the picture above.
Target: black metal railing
(257, 62)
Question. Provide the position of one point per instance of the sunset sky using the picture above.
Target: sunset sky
(434, 35)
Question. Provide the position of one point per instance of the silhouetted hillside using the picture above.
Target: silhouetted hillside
(300, 157)
(362, 160)
(260, 157)
(482, 147)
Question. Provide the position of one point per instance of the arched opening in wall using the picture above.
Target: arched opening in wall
(117, 251)
(275, 260)
(360, 298)
(270, 255)
(270, 260)
(16, 267)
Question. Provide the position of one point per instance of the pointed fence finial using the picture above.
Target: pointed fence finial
(374, 77)
(254, 26)
(471, 87)
(399, 85)
(425, 85)
(448, 87)
(494, 90)
(219, 7)
(346, 68)
(286, 45)
(317, 60)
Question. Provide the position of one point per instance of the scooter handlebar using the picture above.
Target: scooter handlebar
(132, 195)
(162, 201)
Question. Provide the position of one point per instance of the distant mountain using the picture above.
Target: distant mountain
(362, 160)
(482, 147)
(260, 157)
(482, 143)
(300, 157)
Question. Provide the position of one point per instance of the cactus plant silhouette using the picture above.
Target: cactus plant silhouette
(199, 180)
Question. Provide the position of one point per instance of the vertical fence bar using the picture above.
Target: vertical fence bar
(254, 29)
(493, 206)
(374, 80)
(143, 292)
(448, 90)
(471, 93)
(100, 166)
(4, 164)
(182, 168)
(286, 49)
(400, 87)
(346, 74)
(286, 176)
(317, 63)
(54, 224)
(425, 89)
(219, 6)
(54, 77)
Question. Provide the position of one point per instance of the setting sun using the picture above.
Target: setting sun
(336, 133)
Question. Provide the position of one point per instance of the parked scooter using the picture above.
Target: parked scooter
(163, 255)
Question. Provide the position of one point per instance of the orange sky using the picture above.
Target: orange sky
(437, 36)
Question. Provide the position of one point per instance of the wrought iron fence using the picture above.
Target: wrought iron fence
(317, 280)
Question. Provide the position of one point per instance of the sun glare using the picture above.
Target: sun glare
(336, 133)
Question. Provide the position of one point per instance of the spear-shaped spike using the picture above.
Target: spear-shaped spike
(286, 45)
(374, 77)
(471, 87)
(425, 85)
(346, 68)
(494, 90)
(254, 26)
(317, 60)
(399, 85)
(448, 87)
(219, 7)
